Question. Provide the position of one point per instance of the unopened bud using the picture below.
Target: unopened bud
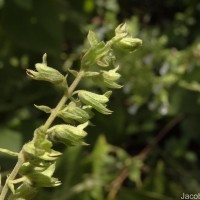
(73, 113)
(109, 78)
(45, 73)
(98, 102)
(67, 134)
(39, 176)
(129, 44)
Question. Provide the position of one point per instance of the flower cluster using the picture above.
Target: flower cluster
(99, 63)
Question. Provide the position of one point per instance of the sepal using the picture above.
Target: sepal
(121, 30)
(128, 44)
(92, 38)
(68, 135)
(39, 176)
(73, 113)
(97, 101)
(94, 53)
(45, 73)
(73, 72)
(108, 78)
(34, 154)
(91, 74)
(23, 192)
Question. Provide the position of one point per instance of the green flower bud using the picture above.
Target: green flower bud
(73, 113)
(97, 101)
(128, 44)
(109, 77)
(68, 135)
(24, 191)
(45, 73)
(40, 149)
(39, 176)
(94, 53)
(36, 155)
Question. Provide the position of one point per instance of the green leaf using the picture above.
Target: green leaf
(43, 108)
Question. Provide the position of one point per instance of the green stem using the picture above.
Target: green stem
(12, 175)
(66, 96)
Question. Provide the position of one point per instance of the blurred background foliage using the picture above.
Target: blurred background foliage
(148, 149)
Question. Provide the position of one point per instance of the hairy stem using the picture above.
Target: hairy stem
(66, 96)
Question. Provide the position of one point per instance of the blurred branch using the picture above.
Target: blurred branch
(116, 184)
(163, 132)
(118, 181)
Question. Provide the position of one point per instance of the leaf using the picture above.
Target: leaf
(43, 108)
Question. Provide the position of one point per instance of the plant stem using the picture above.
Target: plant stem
(66, 96)
(12, 175)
